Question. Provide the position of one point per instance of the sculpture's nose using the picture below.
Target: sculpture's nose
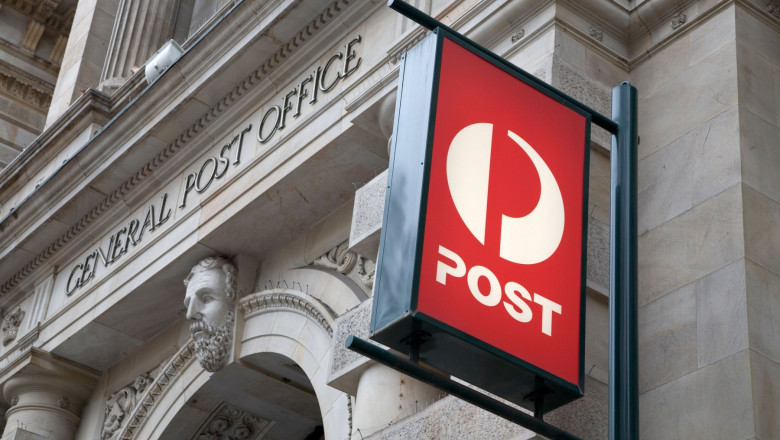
(192, 309)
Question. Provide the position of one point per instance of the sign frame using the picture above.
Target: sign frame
(395, 320)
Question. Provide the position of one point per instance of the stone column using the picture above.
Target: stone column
(140, 29)
(47, 395)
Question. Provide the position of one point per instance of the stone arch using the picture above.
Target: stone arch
(284, 322)
(298, 326)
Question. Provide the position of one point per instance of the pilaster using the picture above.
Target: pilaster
(140, 29)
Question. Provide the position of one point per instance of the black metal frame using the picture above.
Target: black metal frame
(395, 306)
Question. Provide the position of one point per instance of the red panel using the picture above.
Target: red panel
(495, 165)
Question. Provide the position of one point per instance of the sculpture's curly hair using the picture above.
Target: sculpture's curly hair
(217, 263)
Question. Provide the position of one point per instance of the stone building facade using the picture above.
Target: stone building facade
(248, 159)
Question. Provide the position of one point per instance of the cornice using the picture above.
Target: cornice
(92, 106)
(226, 102)
(26, 78)
(43, 66)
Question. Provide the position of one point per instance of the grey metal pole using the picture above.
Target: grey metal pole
(623, 381)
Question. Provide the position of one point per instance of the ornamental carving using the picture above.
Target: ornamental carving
(11, 325)
(678, 20)
(348, 263)
(228, 422)
(518, 35)
(596, 32)
(210, 300)
(147, 401)
(119, 405)
(25, 92)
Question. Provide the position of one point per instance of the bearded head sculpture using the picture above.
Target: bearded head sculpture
(210, 302)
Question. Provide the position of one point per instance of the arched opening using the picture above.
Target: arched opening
(275, 387)
(265, 396)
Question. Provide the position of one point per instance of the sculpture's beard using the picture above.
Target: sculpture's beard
(212, 343)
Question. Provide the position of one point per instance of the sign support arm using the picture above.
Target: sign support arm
(385, 357)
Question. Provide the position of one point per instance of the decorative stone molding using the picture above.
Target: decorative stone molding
(24, 344)
(349, 263)
(119, 405)
(63, 402)
(11, 325)
(271, 300)
(326, 17)
(229, 422)
(596, 32)
(210, 300)
(16, 87)
(45, 9)
(678, 20)
(148, 400)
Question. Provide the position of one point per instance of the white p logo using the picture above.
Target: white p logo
(530, 239)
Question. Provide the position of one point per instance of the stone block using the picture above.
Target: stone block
(688, 171)
(765, 375)
(588, 61)
(437, 421)
(695, 96)
(776, 76)
(760, 155)
(598, 256)
(346, 366)
(597, 335)
(586, 418)
(763, 39)
(756, 82)
(721, 311)
(667, 338)
(763, 308)
(367, 216)
(690, 246)
(712, 34)
(713, 403)
(664, 65)
(762, 229)
(591, 93)
(599, 183)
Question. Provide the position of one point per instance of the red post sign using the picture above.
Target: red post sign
(486, 206)
(502, 247)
